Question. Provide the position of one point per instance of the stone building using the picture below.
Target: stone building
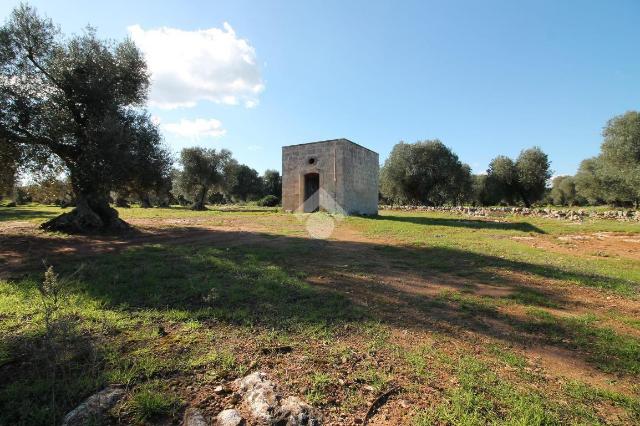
(337, 176)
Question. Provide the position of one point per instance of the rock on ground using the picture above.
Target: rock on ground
(229, 418)
(267, 406)
(94, 407)
(193, 417)
(293, 412)
(260, 395)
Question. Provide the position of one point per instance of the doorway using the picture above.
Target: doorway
(311, 192)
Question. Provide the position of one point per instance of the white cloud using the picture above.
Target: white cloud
(195, 129)
(203, 65)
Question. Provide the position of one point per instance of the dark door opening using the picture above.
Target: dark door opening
(311, 192)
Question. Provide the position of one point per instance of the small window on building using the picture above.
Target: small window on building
(312, 160)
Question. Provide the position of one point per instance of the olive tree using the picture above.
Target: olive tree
(502, 180)
(526, 178)
(620, 157)
(533, 170)
(78, 100)
(272, 183)
(202, 170)
(426, 172)
(244, 183)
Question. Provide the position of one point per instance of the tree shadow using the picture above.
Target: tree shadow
(26, 213)
(45, 374)
(285, 282)
(461, 223)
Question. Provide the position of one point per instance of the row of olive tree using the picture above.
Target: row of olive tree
(430, 173)
(209, 175)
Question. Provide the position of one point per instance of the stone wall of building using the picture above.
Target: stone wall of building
(348, 176)
(295, 164)
(360, 167)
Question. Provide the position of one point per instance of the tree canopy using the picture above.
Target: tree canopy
(78, 100)
(526, 178)
(202, 170)
(426, 172)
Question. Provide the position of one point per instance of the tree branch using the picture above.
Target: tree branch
(74, 111)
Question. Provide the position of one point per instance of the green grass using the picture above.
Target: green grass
(480, 248)
(122, 299)
(318, 388)
(40, 212)
(607, 349)
(481, 397)
(589, 395)
(152, 400)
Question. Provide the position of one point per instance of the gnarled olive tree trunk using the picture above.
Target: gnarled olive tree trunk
(199, 203)
(92, 212)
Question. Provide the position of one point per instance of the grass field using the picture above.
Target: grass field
(510, 320)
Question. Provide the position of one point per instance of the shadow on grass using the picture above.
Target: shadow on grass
(286, 284)
(46, 375)
(461, 223)
(27, 213)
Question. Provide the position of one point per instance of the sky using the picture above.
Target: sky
(485, 77)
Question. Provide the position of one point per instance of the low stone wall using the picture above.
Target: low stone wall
(565, 214)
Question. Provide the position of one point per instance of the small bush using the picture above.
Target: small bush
(268, 201)
(151, 401)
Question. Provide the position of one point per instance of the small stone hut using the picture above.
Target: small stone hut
(337, 176)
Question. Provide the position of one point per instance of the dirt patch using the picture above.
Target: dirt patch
(598, 244)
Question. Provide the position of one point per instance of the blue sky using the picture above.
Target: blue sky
(485, 77)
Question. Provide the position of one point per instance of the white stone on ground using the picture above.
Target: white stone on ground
(93, 408)
(193, 417)
(229, 417)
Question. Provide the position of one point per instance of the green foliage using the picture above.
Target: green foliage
(526, 178)
(502, 179)
(481, 194)
(243, 183)
(272, 183)
(614, 175)
(426, 172)
(533, 171)
(563, 191)
(320, 383)
(589, 184)
(203, 169)
(269, 201)
(620, 157)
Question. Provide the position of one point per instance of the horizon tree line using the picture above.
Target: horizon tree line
(75, 106)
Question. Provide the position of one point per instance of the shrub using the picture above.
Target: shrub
(151, 401)
(268, 201)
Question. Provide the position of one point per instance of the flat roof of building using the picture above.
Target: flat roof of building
(331, 140)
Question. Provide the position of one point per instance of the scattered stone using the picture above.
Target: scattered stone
(93, 408)
(571, 215)
(295, 412)
(193, 417)
(260, 396)
(235, 398)
(229, 418)
(267, 406)
(219, 390)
